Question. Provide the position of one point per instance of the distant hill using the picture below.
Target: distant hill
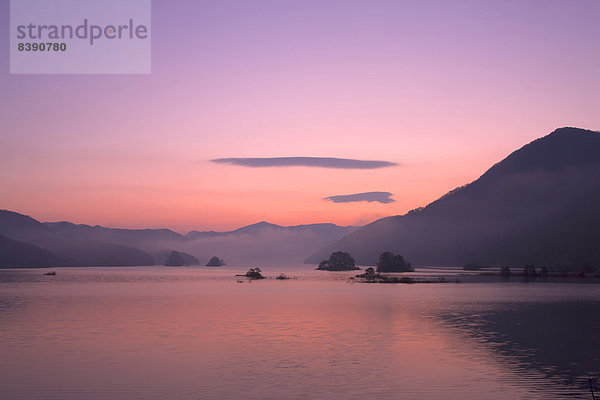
(175, 259)
(14, 254)
(22, 227)
(540, 205)
(86, 253)
(26, 228)
(86, 245)
(323, 229)
(264, 242)
(72, 245)
(161, 256)
(130, 237)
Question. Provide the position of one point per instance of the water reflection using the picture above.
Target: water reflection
(559, 339)
(184, 333)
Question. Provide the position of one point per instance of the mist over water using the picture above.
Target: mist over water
(195, 332)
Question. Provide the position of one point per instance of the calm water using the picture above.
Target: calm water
(198, 333)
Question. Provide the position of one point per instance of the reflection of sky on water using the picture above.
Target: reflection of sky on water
(195, 332)
(559, 339)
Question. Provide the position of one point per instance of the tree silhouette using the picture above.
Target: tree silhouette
(338, 261)
(390, 262)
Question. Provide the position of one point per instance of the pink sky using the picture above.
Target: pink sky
(444, 89)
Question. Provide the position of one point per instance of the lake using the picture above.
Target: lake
(202, 333)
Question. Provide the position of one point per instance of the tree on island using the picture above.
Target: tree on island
(253, 273)
(529, 271)
(175, 259)
(390, 262)
(215, 262)
(338, 261)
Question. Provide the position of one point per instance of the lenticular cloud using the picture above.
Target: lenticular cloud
(318, 162)
(379, 197)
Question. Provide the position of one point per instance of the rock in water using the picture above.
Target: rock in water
(215, 262)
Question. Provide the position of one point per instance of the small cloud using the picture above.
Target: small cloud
(319, 162)
(379, 197)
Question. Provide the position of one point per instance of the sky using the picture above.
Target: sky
(248, 100)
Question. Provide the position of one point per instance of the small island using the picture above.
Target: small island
(215, 262)
(390, 262)
(253, 273)
(370, 276)
(338, 261)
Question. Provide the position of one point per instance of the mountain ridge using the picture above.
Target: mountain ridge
(82, 244)
(535, 182)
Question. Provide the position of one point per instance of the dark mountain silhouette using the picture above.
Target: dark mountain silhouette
(86, 253)
(70, 243)
(14, 254)
(540, 205)
(130, 237)
(568, 236)
(22, 227)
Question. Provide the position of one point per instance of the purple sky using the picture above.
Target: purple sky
(442, 88)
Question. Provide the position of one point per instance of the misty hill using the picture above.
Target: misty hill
(130, 237)
(69, 243)
(175, 259)
(22, 227)
(161, 256)
(78, 244)
(14, 254)
(265, 242)
(540, 205)
(324, 229)
(260, 242)
(87, 253)
(249, 229)
(25, 228)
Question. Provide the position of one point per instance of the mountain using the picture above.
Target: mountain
(323, 229)
(263, 242)
(175, 259)
(14, 254)
(257, 228)
(86, 245)
(87, 253)
(540, 205)
(22, 227)
(249, 229)
(161, 256)
(130, 237)
(72, 245)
